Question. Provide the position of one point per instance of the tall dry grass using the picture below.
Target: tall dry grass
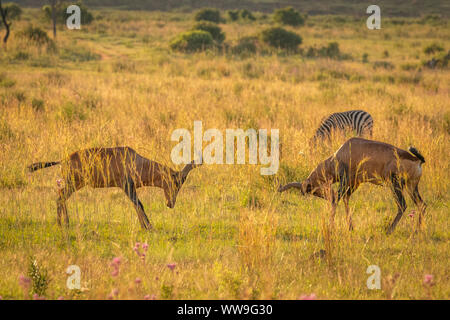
(115, 83)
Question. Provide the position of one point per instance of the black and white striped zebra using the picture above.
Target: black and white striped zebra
(359, 121)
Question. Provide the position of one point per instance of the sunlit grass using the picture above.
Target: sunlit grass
(230, 234)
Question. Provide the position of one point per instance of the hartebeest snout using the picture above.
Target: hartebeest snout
(359, 160)
(116, 167)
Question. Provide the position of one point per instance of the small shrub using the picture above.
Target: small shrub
(5, 82)
(208, 14)
(331, 50)
(39, 278)
(433, 48)
(21, 55)
(124, 66)
(20, 96)
(247, 15)
(249, 70)
(383, 64)
(36, 35)
(233, 15)
(365, 57)
(440, 61)
(245, 45)
(192, 41)
(281, 38)
(37, 104)
(289, 16)
(71, 111)
(409, 66)
(212, 28)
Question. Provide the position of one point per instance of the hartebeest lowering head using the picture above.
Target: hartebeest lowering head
(358, 161)
(172, 187)
(116, 167)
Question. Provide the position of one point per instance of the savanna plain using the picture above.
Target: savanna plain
(116, 82)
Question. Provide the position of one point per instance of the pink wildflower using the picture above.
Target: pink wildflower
(312, 296)
(171, 266)
(428, 280)
(116, 261)
(59, 183)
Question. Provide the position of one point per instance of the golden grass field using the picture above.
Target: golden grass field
(115, 82)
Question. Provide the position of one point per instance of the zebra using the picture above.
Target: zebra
(361, 122)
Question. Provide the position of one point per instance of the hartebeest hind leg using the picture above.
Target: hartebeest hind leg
(130, 190)
(397, 186)
(64, 194)
(348, 212)
(420, 204)
(345, 190)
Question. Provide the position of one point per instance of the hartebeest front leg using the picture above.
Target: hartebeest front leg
(130, 190)
(397, 187)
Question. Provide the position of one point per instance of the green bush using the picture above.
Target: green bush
(62, 15)
(208, 14)
(245, 45)
(37, 104)
(440, 61)
(383, 64)
(212, 28)
(433, 48)
(289, 16)
(331, 50)
(365, 57)
(281, 38)
(13, 11)
(191, 41)
(233, 15)
(36, 35)
(246, 15)
(39, 278)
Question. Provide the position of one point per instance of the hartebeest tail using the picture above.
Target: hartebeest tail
(358, 161)
(41, 165)
(116, 167)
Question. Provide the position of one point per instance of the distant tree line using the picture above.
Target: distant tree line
(311, 7)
